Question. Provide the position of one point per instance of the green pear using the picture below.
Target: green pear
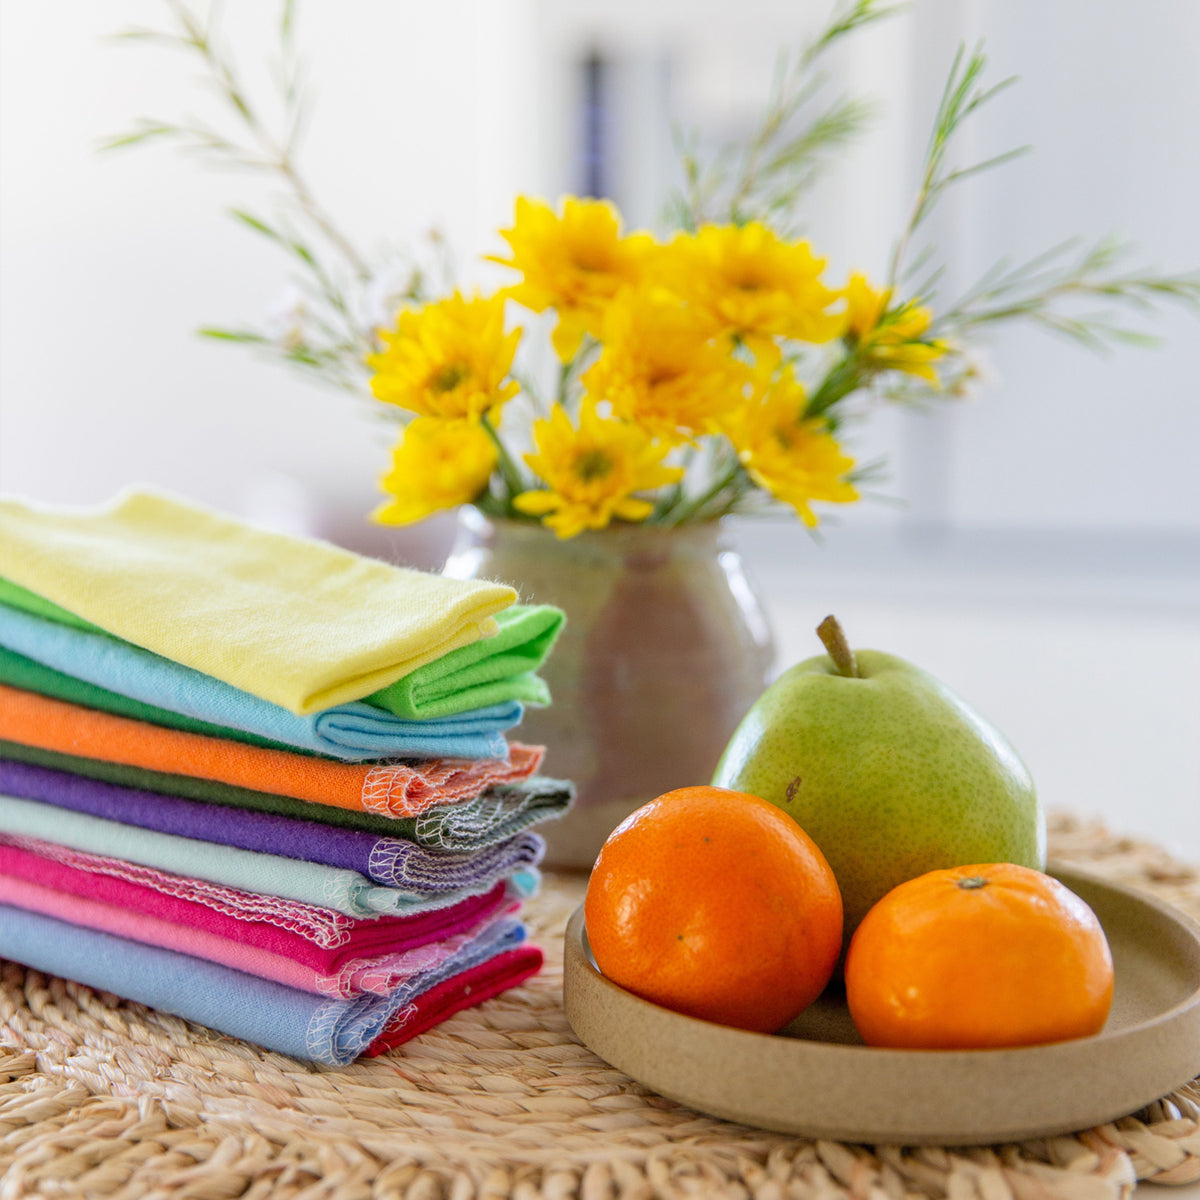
(886, 769)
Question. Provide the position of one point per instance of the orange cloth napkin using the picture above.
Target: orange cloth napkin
(389, 789)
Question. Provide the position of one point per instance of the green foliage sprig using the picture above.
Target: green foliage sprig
(764, 177)
(328, 330)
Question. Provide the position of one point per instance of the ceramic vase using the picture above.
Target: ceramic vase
(665, 648)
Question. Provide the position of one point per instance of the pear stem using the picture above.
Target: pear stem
(831, 633)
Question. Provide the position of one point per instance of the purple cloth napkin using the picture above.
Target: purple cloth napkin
(393, 862)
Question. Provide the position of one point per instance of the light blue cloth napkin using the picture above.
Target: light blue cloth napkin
(351, 732)
(312, 883)
(269, 1014)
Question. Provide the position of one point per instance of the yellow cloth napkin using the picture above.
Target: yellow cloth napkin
(300, 623)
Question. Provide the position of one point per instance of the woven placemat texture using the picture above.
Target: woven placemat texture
(101, 1098)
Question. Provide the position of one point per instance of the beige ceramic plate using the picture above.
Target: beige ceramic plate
(817, 1079)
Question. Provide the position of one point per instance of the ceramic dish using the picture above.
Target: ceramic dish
(818, 1080)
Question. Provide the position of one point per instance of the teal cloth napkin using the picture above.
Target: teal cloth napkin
(352, 732)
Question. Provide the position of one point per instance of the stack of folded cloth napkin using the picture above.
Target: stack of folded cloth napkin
(261, 782)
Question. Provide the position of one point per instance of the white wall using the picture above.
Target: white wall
(441, 113)
(109, 263)
(1110, 96)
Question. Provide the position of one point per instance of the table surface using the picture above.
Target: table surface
(107, 1099)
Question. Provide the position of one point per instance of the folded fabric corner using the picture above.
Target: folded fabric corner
(500, 668)
(438, 1003)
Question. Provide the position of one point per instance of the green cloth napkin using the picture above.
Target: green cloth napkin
(490, 818)
(487, 672)
(300, 623)
(18, 597)
(491, 671)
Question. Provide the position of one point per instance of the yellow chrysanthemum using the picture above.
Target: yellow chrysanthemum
(574, 263)
(890, 341)
(751, 284)
(437, 464)
(592, 471)
(448, 359)
(795, 460)
(660, 369)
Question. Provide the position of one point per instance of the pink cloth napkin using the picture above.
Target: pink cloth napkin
(227, 926)
(377, 976)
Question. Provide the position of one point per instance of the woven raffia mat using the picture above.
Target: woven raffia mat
(100, 1098)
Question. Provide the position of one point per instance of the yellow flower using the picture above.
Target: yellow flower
(574, 263)
(751, 284)
(437, 464)
(592, 471)
(795, 460)
(890, 341)
(447, 359)
(660, 368)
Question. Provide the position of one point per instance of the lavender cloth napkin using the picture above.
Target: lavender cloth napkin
(393, 862)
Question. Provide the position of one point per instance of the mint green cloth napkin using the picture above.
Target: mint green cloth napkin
(487, 672)
(312, 883)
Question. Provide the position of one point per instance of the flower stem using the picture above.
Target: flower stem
(572, 369)
(509, 471)
(685, 512)
(844, 377)
(672, 495)
(564, 378)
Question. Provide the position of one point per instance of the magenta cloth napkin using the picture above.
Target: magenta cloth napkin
(470, 987)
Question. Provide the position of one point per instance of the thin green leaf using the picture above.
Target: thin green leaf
(305, 255)
(287, 21)
(247, 336)
(257, 224)
(1038, 290)
(146, 35)
(987, 164)
(136, 137)
(848, 18)
(961, 97)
